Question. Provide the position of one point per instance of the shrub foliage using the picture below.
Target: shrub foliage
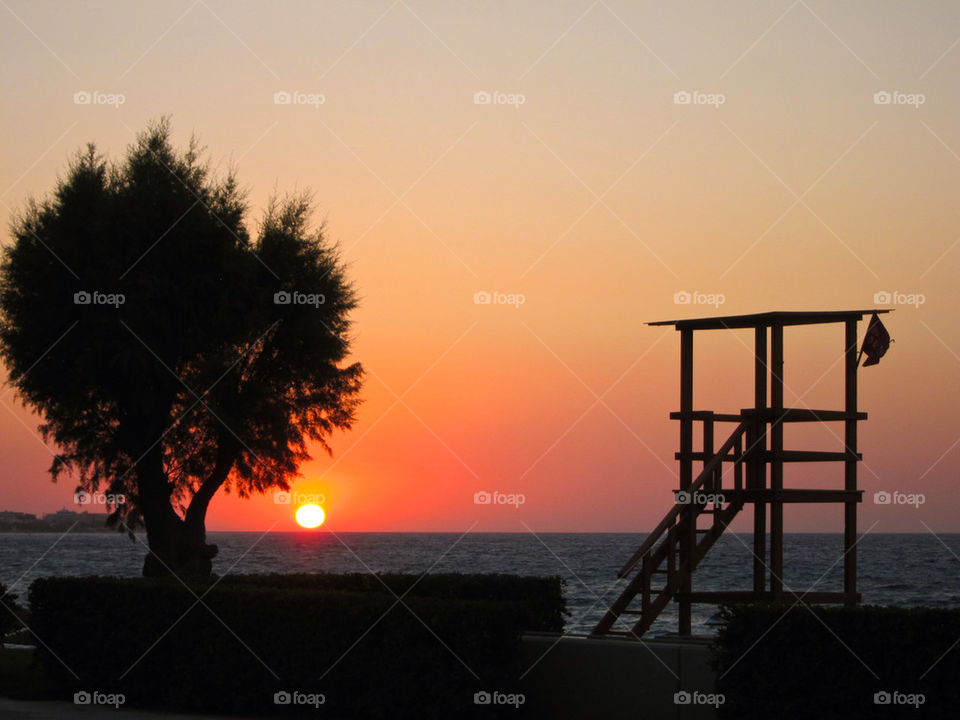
(790, 662)
(247, 638)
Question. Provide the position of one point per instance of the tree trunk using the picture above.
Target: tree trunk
(177, 547)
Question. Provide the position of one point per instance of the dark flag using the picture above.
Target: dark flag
(875, 343)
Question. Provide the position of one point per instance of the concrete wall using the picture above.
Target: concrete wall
(578, 677)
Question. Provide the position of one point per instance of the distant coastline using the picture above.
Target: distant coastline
(58, 522)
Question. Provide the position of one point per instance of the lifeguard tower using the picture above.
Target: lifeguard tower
(663, 567)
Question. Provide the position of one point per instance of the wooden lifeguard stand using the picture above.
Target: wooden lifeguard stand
(671, 553)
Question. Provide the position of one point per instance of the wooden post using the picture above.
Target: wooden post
(709, 485)
(737, 466)
(688, 524)
(850, 465)
(776, 463)
(756, 469)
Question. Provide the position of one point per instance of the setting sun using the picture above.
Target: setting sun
(310, 516)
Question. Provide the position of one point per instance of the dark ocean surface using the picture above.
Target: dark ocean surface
(894, 569)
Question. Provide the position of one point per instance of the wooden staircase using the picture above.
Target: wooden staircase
(658, 574)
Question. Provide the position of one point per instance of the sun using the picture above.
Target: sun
(310, 516)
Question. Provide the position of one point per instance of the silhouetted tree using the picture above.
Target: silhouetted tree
(168, 354)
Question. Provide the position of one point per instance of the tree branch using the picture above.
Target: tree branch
(227, 453)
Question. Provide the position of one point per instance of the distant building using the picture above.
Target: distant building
(9, 516)
(59, 521)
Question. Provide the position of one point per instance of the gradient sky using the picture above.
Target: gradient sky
(598, 199)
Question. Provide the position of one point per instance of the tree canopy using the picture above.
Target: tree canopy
(169, 352)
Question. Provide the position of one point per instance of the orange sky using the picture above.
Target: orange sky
(597, 198)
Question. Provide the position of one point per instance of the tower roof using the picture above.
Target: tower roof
(767, 319)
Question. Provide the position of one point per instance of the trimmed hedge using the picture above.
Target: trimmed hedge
(775, 662)
(8, 619)
(253, 636)
(540, 600)
(5, 616)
